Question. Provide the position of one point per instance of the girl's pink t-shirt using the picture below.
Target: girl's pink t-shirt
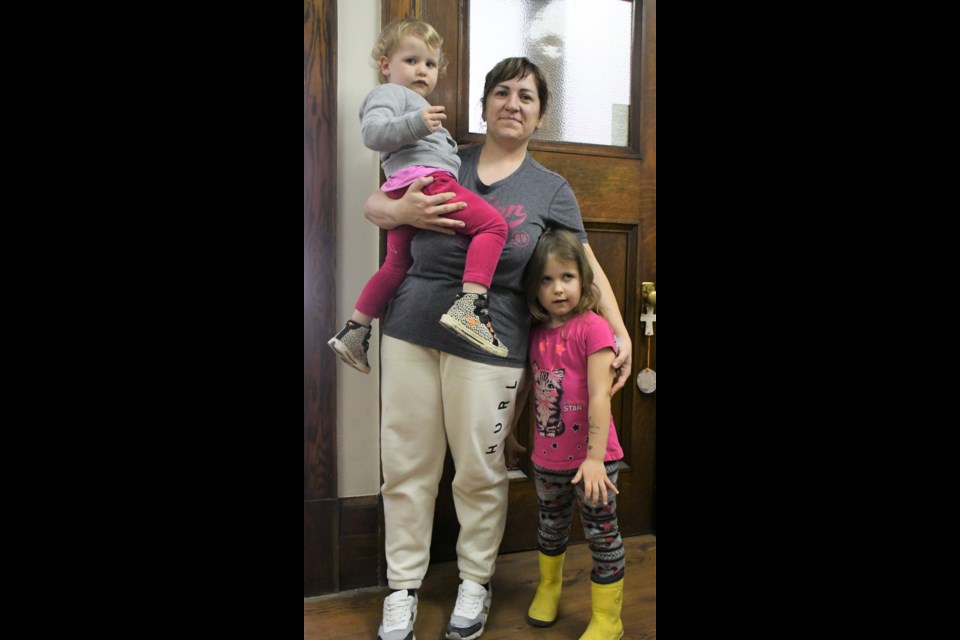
(558, 362)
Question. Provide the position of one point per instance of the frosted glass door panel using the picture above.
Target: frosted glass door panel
(583, 47)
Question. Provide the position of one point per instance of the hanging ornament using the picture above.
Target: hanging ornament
(647, 379)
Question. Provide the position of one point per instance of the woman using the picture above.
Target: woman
(436, 389)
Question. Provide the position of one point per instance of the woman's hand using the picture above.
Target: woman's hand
(622, 363)
(415, 208)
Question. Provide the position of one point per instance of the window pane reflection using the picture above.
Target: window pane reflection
(583, 46)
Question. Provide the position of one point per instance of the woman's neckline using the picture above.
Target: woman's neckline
(505, 163)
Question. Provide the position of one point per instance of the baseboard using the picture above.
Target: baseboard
(321, 520)
(361, 545)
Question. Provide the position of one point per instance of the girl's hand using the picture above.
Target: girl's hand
(596, 484)
(433, 116)
(621, 364)
(512, 451)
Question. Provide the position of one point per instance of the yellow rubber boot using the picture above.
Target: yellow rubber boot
(605, 623)
(543, 611)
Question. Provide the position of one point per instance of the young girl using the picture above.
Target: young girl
(575, 448)
(397, 121)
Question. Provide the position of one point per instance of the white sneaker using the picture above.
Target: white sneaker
(399, 614)
(470, 614)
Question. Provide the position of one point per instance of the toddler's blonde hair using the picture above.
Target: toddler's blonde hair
(394, 33)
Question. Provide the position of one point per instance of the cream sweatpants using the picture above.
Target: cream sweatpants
(431, 399)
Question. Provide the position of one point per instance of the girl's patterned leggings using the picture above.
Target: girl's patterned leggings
(555, 498)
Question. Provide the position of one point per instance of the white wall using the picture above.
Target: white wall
(358, 241)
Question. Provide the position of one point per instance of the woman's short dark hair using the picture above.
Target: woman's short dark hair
(510, 68)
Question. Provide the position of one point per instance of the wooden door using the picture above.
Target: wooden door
(320, 501)
(616, 189)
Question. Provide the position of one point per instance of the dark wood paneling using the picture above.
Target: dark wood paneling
(445, 93)
(319, 310)
(319, 249)
(321, 521)
(391, 10)
(616, 245)
(595, 180)
(523, 517)
(359, 542)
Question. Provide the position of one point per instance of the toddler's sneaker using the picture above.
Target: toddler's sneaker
(470, 614)
(470, 319)
(399, 614)
(351, 345)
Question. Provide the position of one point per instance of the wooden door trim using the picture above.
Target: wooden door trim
(320, 503)
(629, 299)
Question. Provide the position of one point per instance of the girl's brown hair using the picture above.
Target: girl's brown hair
(396, 31)
(561, 245)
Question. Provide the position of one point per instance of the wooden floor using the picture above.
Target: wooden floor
(355, 615)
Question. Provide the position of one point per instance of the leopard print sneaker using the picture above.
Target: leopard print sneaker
(470, 319)
(351, 345)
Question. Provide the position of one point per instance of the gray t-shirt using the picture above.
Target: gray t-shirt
(530, 200)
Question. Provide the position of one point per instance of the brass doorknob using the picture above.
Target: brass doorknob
(649, 293)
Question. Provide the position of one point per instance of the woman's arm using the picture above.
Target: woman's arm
(415, 208)
(611, 311)
(596, 484)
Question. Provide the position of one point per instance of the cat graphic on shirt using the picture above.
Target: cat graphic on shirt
(548, 389)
